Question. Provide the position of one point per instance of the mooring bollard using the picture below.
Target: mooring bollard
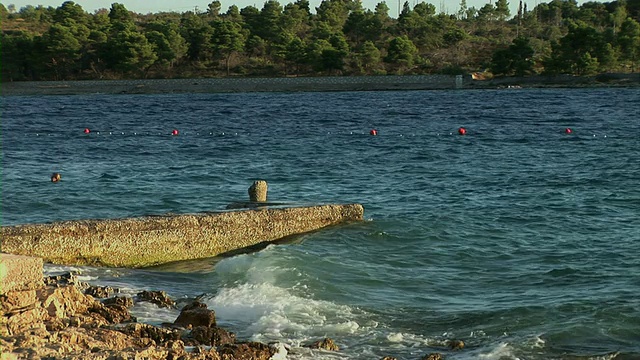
(258, 191)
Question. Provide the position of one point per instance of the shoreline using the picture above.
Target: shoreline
(59, 316)
(310, 84)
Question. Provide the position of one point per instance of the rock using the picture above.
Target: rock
(196, 314)
(159, 298)
(212, 336)
(100, 291)
(113, 314)
(119, 300)
(456, 344)
(195, 304)
(158, 335)
(65, 301)
(326, 344)
(433, 356)
(246, 350)
(19, 272)
(15, 302)
(258, 191)
(66, 279)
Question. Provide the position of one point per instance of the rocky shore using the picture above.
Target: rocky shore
(59, 317)
(298, 84)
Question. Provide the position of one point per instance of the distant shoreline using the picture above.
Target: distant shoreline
(308, 84)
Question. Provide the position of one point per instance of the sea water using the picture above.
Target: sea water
(517, 238)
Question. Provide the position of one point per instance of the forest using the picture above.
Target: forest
(337, 38)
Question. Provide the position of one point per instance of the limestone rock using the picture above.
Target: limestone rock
(66, 279)
(159, 298)
(158, 335)
(326, 344)
(100, 291)
(196, 314)
(119, 300)
(433, 356)
(64, 301)
(246, 350)
(19, 272)
(211, 336)
(113, 314)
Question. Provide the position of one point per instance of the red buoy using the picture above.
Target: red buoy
(568, 131)
(86, 130)
(462, 131)
(174, 132)
(373, 132)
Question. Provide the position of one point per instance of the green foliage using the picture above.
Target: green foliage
(517, 59)
(227, 39)
(339, 37)
(401, 52)
(629, 41)
(580, 50)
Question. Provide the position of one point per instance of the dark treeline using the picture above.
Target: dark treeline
(339, 38)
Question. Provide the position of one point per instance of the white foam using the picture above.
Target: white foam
(267, 302)
(149, 313)
(501, 352)
(266, 312)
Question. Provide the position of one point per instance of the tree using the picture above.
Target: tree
(167, 43)
(629, 41)
(517, 59)
(401, 52)
(119, 13)
(369, 56)
(577, 52)
(462, 11)
(214, 8)
(197, 33)
(62, 50)
(227, 39)
(70, 10)
(502, 9)
(295, 54)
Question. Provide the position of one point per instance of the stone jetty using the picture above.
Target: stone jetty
(153, 240)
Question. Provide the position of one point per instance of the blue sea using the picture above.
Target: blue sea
(519, 239)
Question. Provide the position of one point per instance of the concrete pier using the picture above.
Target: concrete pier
(152, 240)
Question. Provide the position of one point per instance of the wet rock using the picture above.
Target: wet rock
(158, 335)
(119, 300)
(66, 279)
(455, 344)
(159, 298)
(325, 344)
(211, 336)
(113, 314)
(196, 314)
(246, 350)
(100, 292)
(433, 356)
